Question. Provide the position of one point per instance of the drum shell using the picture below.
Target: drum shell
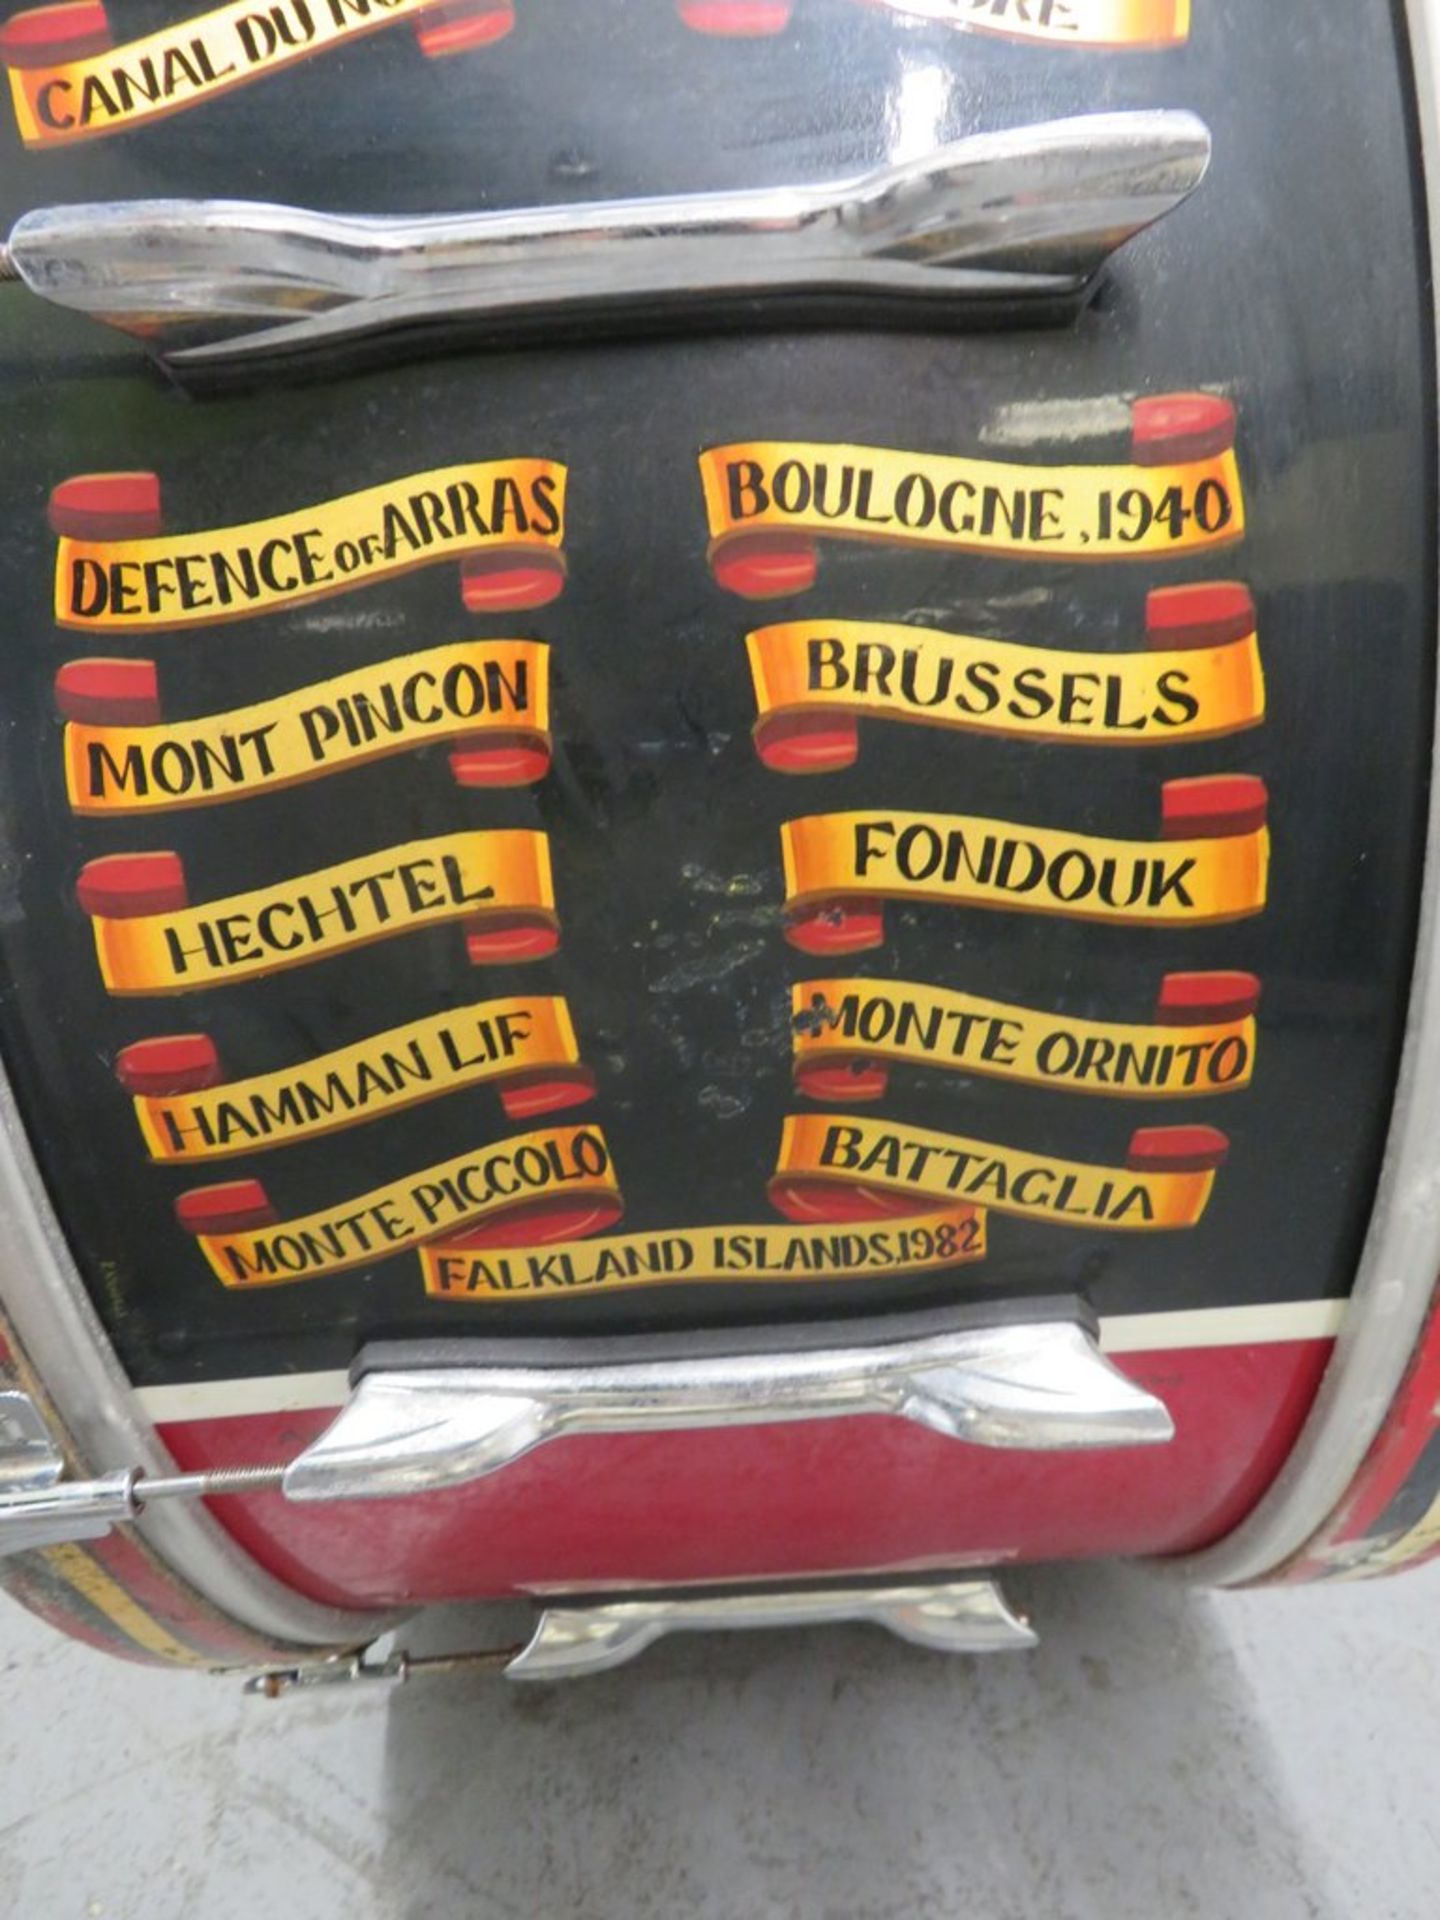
(663, 824)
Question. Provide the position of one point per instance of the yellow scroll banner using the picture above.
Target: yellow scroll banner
(924, 1026)
(476, 1186)
(192, 61)
(1066, 23)
(377, 1076)
(971, 506)
(935, 679)
(181, 580)
(454, 692)
(699, 1256)
(943, 1168)
(456, 876)
(959, 859)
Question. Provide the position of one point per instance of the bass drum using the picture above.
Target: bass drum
(718, 728)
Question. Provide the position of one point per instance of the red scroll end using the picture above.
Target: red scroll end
(807, 742)
(234, 1206)
(511, 582)
(500, 760)
(546, 1090)
(1215, 807)
(842, 1080)
(125, 886)
(544, 1221)
(1206, 999)
(837, 926)
(1203, 616)
(735, 19)
(169, 1063)
(107, 506)
(765, 566)
(507, 938)
(463, 26)
(1177, 1150)
(109, 693)
(1171, 428)
(807, 1201)
(49, 36)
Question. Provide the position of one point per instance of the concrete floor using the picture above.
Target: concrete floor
(1165, 1754)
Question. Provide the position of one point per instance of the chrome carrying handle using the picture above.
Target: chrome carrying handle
(1041, 1386)
(1044, 1386)
(997, 220)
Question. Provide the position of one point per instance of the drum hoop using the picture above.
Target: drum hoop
(1395, 1284)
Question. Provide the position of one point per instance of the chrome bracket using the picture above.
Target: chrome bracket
(394, 1669)
(993, 222)
(959, 1616)
(29, 1457)
(38, 1506)
(1044, 1386)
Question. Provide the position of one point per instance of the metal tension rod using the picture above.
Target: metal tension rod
(984, 224)
(39, 1507)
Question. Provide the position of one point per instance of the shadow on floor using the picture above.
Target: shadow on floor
(1123, 1769)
